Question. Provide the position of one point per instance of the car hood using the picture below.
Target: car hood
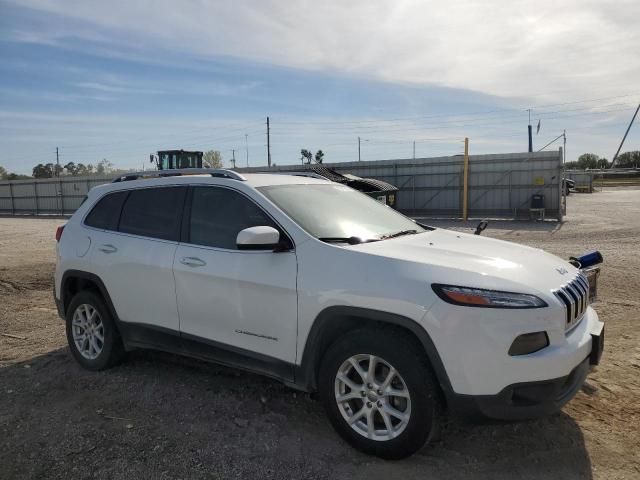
(473, 260)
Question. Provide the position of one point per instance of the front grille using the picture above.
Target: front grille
(575, 298)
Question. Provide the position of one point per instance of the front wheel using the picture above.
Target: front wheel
(379, 393)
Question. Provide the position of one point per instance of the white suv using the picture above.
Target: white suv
(321, 287)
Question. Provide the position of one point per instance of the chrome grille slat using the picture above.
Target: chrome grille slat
(574, 295)
(584, 293)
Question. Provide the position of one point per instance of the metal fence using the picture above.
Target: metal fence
(498, 186)
(583, 179)
(47, 196)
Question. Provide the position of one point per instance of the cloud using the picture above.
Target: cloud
(508, 48)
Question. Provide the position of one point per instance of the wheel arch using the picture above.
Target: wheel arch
(335, 321)
(74, 281)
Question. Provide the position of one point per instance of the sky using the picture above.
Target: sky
(120, 80)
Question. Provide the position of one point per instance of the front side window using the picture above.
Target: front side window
(218, 214)
(334, 211)
(105, 214)
(153, 212)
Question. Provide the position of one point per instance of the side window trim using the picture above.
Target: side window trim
(186, 223)
(116, 227)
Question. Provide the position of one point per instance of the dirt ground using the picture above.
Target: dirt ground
(160, 416)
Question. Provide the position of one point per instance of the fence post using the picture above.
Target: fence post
(13, 205)
(413, 185)
(35, 195)
(465, 187)
(61, 199)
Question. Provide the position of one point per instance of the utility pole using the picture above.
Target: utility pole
(268, 145)
(233, 157)
(358, 148)
(414, 149)
(564, 147)
(246, 142)
(530, 134)
(57, 163)
(613, 162)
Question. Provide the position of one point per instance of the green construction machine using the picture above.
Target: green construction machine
(174, 159)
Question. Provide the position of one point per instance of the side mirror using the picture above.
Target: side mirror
(258, 238)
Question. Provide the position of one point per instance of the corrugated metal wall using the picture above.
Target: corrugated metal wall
(583, 179)
(499, 185)
(47, 196)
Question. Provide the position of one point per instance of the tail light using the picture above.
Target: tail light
(59, 231)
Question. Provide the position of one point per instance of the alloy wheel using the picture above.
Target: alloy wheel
(372, 397)
(87, 331)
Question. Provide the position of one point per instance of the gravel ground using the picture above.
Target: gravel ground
(160, 416)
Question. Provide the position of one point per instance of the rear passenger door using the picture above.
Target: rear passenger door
(134, 256)
(234, 298)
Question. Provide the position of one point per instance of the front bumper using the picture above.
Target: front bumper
(524, 400)
(532, 399)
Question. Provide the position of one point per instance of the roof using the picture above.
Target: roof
(250, 179)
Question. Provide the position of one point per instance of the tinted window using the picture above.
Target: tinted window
(106, 212)
(153, 212)
(218, 214)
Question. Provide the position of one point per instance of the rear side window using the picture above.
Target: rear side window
(106, 212)
(218, 214)
(153, 212)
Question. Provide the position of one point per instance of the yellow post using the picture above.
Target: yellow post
(465, 187)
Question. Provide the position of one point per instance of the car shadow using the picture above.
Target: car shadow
(163, 416)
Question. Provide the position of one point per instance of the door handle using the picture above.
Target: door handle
(192, 262)
(107, 248)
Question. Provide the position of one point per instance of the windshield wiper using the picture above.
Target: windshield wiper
(349, 240)
(398, 234)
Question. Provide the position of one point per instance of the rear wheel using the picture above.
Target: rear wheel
(379, 393)
(92, 334)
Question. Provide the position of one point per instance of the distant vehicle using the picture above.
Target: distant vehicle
(178, 159)
(569, 185)
(326, 289)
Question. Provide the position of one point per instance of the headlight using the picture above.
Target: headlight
(478, 297)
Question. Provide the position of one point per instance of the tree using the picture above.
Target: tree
(17, 176)
(3, 173)
(603, 163)
(71, 168)
(213, 158)
(104, 166)
(571, 165)
(306, 155)
(45, 171)
(628, 159)
(588, 160)
(319, 156)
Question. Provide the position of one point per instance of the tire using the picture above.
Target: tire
(414, 377)
(87, 308)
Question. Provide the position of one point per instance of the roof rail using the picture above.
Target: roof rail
(299, 174)
(178, 172)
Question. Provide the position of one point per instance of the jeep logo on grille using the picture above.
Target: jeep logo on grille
(561, 270)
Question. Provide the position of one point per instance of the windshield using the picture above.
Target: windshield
(334, 211)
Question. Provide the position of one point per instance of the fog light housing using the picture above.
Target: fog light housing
(529, 343)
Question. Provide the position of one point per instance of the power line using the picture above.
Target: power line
(513, 109)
